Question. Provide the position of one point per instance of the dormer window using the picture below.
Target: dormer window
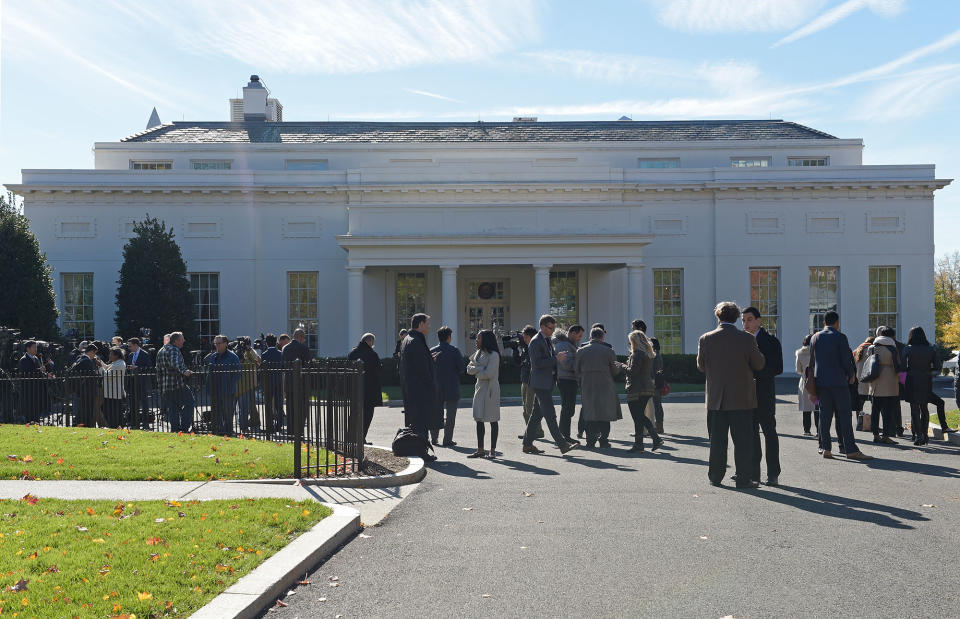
(750, 162)
(150, 165)
(807, 162)
(211, 164)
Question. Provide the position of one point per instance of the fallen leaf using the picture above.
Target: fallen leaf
(486, 595)
(282, 604)
(91, 512)
(334, 578)
(527, 493)
(703, 537)
(28, 458)
(334, 584)
(82, 529)
(928, 505)
(153, 541)
(321, 599)
(30, 499)
(12, 457)
(20, 585)
(364, 536)
(303, 582)
(467, 509)
(143, 595)
(99, 540)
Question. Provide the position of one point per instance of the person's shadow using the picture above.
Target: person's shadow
(456, 469)
(524, 467)
(836, 506)
(934, 470)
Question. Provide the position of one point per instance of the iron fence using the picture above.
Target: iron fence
(318, 406)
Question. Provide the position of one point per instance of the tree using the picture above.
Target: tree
(951, 330)
(153, 290)
(946, 297)
(26, 282)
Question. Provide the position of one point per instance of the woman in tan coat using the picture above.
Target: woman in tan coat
(640, 388)
(885, 389)
(485, 365)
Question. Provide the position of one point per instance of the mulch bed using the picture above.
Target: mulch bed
(381, 462)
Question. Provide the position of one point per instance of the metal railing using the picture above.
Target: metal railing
(317, 406)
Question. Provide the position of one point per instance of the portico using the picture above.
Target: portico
(485, 281)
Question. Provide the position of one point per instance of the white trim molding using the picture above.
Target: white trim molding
(80, 227)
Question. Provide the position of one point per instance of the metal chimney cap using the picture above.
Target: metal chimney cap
(255, 82)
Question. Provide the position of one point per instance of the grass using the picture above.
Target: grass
(45, 452)
(392, 392)
(149, 558)
(953, 418)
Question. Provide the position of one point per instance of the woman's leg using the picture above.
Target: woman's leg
(876, 409)
(816, 419)
(924, 423)
(915, 422)
(494, 433)
(806, 421)
(480, 433)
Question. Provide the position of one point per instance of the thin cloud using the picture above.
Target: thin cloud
(433, 95)
(735, 15)
(889, 8)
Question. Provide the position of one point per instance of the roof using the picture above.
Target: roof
(474, 132)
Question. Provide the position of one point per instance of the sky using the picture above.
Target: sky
(888, 71)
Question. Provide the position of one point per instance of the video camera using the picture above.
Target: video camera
(240, 345)
(512, 340)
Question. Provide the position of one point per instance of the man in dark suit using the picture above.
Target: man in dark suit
(450, 366)
(30, 368)
(272, 379)
(729, 357)
(543, 377)
(418, 377)
(764, 416)
(297, 349)
(139, 370)
(831, 361)
(88, 384)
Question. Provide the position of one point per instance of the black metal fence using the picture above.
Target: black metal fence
(316, 406)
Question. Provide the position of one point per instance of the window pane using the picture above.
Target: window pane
(78, 304)
(823, 294)
(302, 311)
(564, 294)
(884, 301)
(205, 291)
(668, 309)
(411, 297)
(765, 296)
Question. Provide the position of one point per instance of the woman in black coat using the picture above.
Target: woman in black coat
(921, 362)
(372, 391)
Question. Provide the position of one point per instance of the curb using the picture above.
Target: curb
(954, 438)
(517, 401)
(250, 595)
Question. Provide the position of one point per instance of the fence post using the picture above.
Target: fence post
(297, 384)
(356, 415)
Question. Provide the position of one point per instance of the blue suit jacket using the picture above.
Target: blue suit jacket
(450, 365)
(543, 363)
(832, 360)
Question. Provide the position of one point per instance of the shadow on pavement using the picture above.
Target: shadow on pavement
(456, 469)
(524, 467)
(934, 470)
(837, 506)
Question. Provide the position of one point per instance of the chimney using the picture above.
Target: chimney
(254, 100)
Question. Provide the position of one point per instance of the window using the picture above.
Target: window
(411, 297)
(151, 165)
(824, 283)
(78, 304)
(564, 292)
(765, 296)
(654, 164)
(883, 297)
(751, 162)
(807, 162)
(306, 164)
(668, 309)
(211, 164)
(302, 304)
(205, 292)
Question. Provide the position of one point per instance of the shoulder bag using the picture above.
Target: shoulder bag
(870, 370)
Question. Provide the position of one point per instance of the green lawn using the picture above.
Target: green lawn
(392, 392)
(149, 558)
(953, 418)
(45, 452)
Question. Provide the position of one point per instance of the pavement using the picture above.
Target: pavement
(609, 533)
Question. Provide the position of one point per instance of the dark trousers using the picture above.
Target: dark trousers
(765, 420)
(886, 408)
(941, 410)
(568, 403)
(836, 401)
(544, 410)
(273, 402)
(738, 424)
(806, 420)
(658, 409)
(178, 406)
(367, 418)
(641, 421)
(919, 420)
(113, 411)
(598, 430)
(224, 405)
(449, 420)
(138, 405)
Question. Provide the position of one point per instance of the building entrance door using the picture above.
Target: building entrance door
(487, 308)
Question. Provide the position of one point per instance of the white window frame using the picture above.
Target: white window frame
(198, 303)
(564, 319)
(764, 161)
(798, 162)
(872, 324)
(765, 315)
(403, 321)
(292, 321)
(84, 303)
(815, 320)
(211, 164)
(167, 163)
(673, 162)
(658, 315)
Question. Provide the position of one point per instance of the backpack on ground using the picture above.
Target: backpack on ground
(409, 444)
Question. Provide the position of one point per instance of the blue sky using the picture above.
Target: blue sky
(887, 71)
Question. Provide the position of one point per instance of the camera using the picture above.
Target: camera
(240, 346)
(513, 340)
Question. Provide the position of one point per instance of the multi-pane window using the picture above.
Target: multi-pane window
(750, 162)
(564, 291)
(824, 297)
(411, 297)
(807, 162)
(654, 164)
(151, 165)
(668, 309)
(211, 164)
(765, 296)
(205, 292)
(78, 305)
(306, 164)
(883, 297)
(302, 304)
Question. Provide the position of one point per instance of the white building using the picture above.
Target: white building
(353, 226)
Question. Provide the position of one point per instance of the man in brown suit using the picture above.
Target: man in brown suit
(729, 357)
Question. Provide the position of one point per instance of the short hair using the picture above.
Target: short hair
(91, 347)
(176, 335)
(726, 311)
(597, 325)
(752, 311)
(831, 318)
(29, 344)
(639, 325)
(220, 338)
(116, 352)
(575, 329)
(444, 333)
(547, 319)
(298, 331)
(597, 333)
(530, 330)
(369, 338)
(403, 333)
(806, 339)
(270, 339)
(418, 319)
(885, 332)
(134, 340)
(284, 336)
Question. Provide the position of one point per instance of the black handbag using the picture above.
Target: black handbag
(870, 370)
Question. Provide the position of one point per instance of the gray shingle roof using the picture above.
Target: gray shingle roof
(388, 132)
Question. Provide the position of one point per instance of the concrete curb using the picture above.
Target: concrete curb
(256, 591)
(954, 438)
(517, 401)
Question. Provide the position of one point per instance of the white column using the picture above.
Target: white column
(450, 315)
(635, 294)
(354, 305)
(541, 290)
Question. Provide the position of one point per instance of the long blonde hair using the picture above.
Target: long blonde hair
(640, 342)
